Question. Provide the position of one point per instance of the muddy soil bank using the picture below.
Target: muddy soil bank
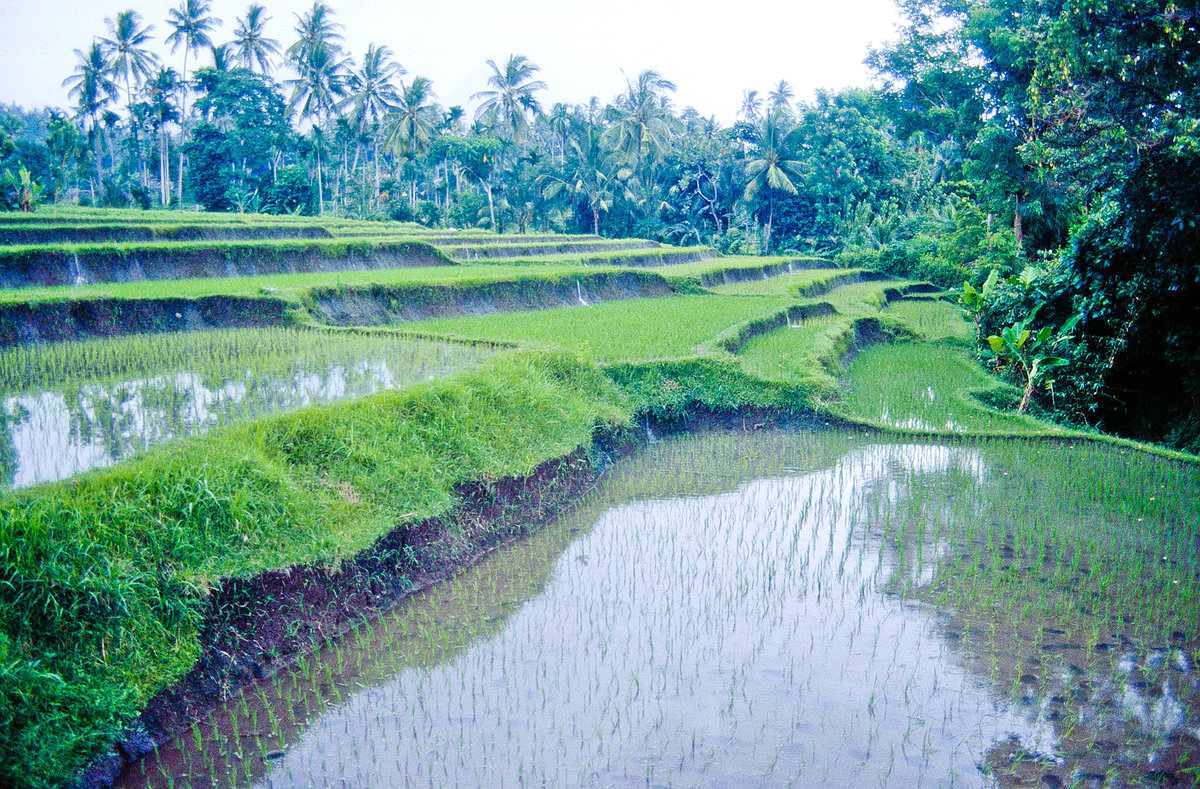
(255, 626)
(52, 267)
(54, 321)
(379, 304)
(84, 234)
(729, 276)
(485, 249)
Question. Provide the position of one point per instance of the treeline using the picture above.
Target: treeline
(1045, 151)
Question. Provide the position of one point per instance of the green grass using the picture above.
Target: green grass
(334, 248)
(862, 299)
(631, 330)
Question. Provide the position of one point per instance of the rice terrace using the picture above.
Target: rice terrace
(350, 439)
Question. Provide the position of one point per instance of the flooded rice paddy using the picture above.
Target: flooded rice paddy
(772, 609)
(70, 407)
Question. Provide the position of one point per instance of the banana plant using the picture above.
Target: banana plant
(975, 301)
(1031, 355)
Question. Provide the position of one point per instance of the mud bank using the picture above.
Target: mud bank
(53, 321)
(379, 304)
(486, 249)
(52, 267)
(84, 234)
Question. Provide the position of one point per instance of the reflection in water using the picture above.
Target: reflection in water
(52, 434)
(743, 638)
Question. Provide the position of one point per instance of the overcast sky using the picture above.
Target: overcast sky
(713, 52)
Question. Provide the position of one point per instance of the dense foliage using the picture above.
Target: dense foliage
(1054, 142)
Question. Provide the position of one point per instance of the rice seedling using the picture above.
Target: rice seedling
(927, 387)
(631, 330)
(70, 407)
(822, 607)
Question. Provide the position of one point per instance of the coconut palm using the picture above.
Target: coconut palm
(511, 98)
(190, 23)
(594, 178)
(222, 55)
(373, 96)
(162, 90)
(322, 74)
(92, 88)
(415, 119)
(751, 106)
(250, 41)
(642, 126)
(315, 30)
(781, 97)
(126, 50)
(768, 168)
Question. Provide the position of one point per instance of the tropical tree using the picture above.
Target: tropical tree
(752, 105)
(643, 123)
(190, 25)
(781, 97)
(768, 169)
(593, 181)
(222, 56)
(509, 102)
(92, 88)
(415, 119)
(162, 91)
(373, 95)
(250, 41)
(126, 50)
(322, 74)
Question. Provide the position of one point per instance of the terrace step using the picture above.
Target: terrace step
(53, 266)
(92, 234)
(489, 249)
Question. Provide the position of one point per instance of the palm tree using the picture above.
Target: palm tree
(162, 89)
(559, 122)
(316, 29)
(222, 55)
(593, 179)
(373, 96)
(751, 106)
(769, 167)
(127, 53)
(190, 24)
(92, 89)
(642, 124)
(321, 74)
(508, 103)
(415, 120)
(781, 97)
(251, 43)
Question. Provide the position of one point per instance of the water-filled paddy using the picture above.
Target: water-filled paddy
(777, 609)
(69, 407)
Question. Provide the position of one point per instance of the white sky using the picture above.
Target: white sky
(712, 51)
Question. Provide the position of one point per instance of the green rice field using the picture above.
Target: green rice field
(619, 515)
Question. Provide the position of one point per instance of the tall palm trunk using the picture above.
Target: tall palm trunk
(320, 186)
(182, 125)
(164, 166)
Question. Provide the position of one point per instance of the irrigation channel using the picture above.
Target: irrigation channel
(55, 423)
(743, 609)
